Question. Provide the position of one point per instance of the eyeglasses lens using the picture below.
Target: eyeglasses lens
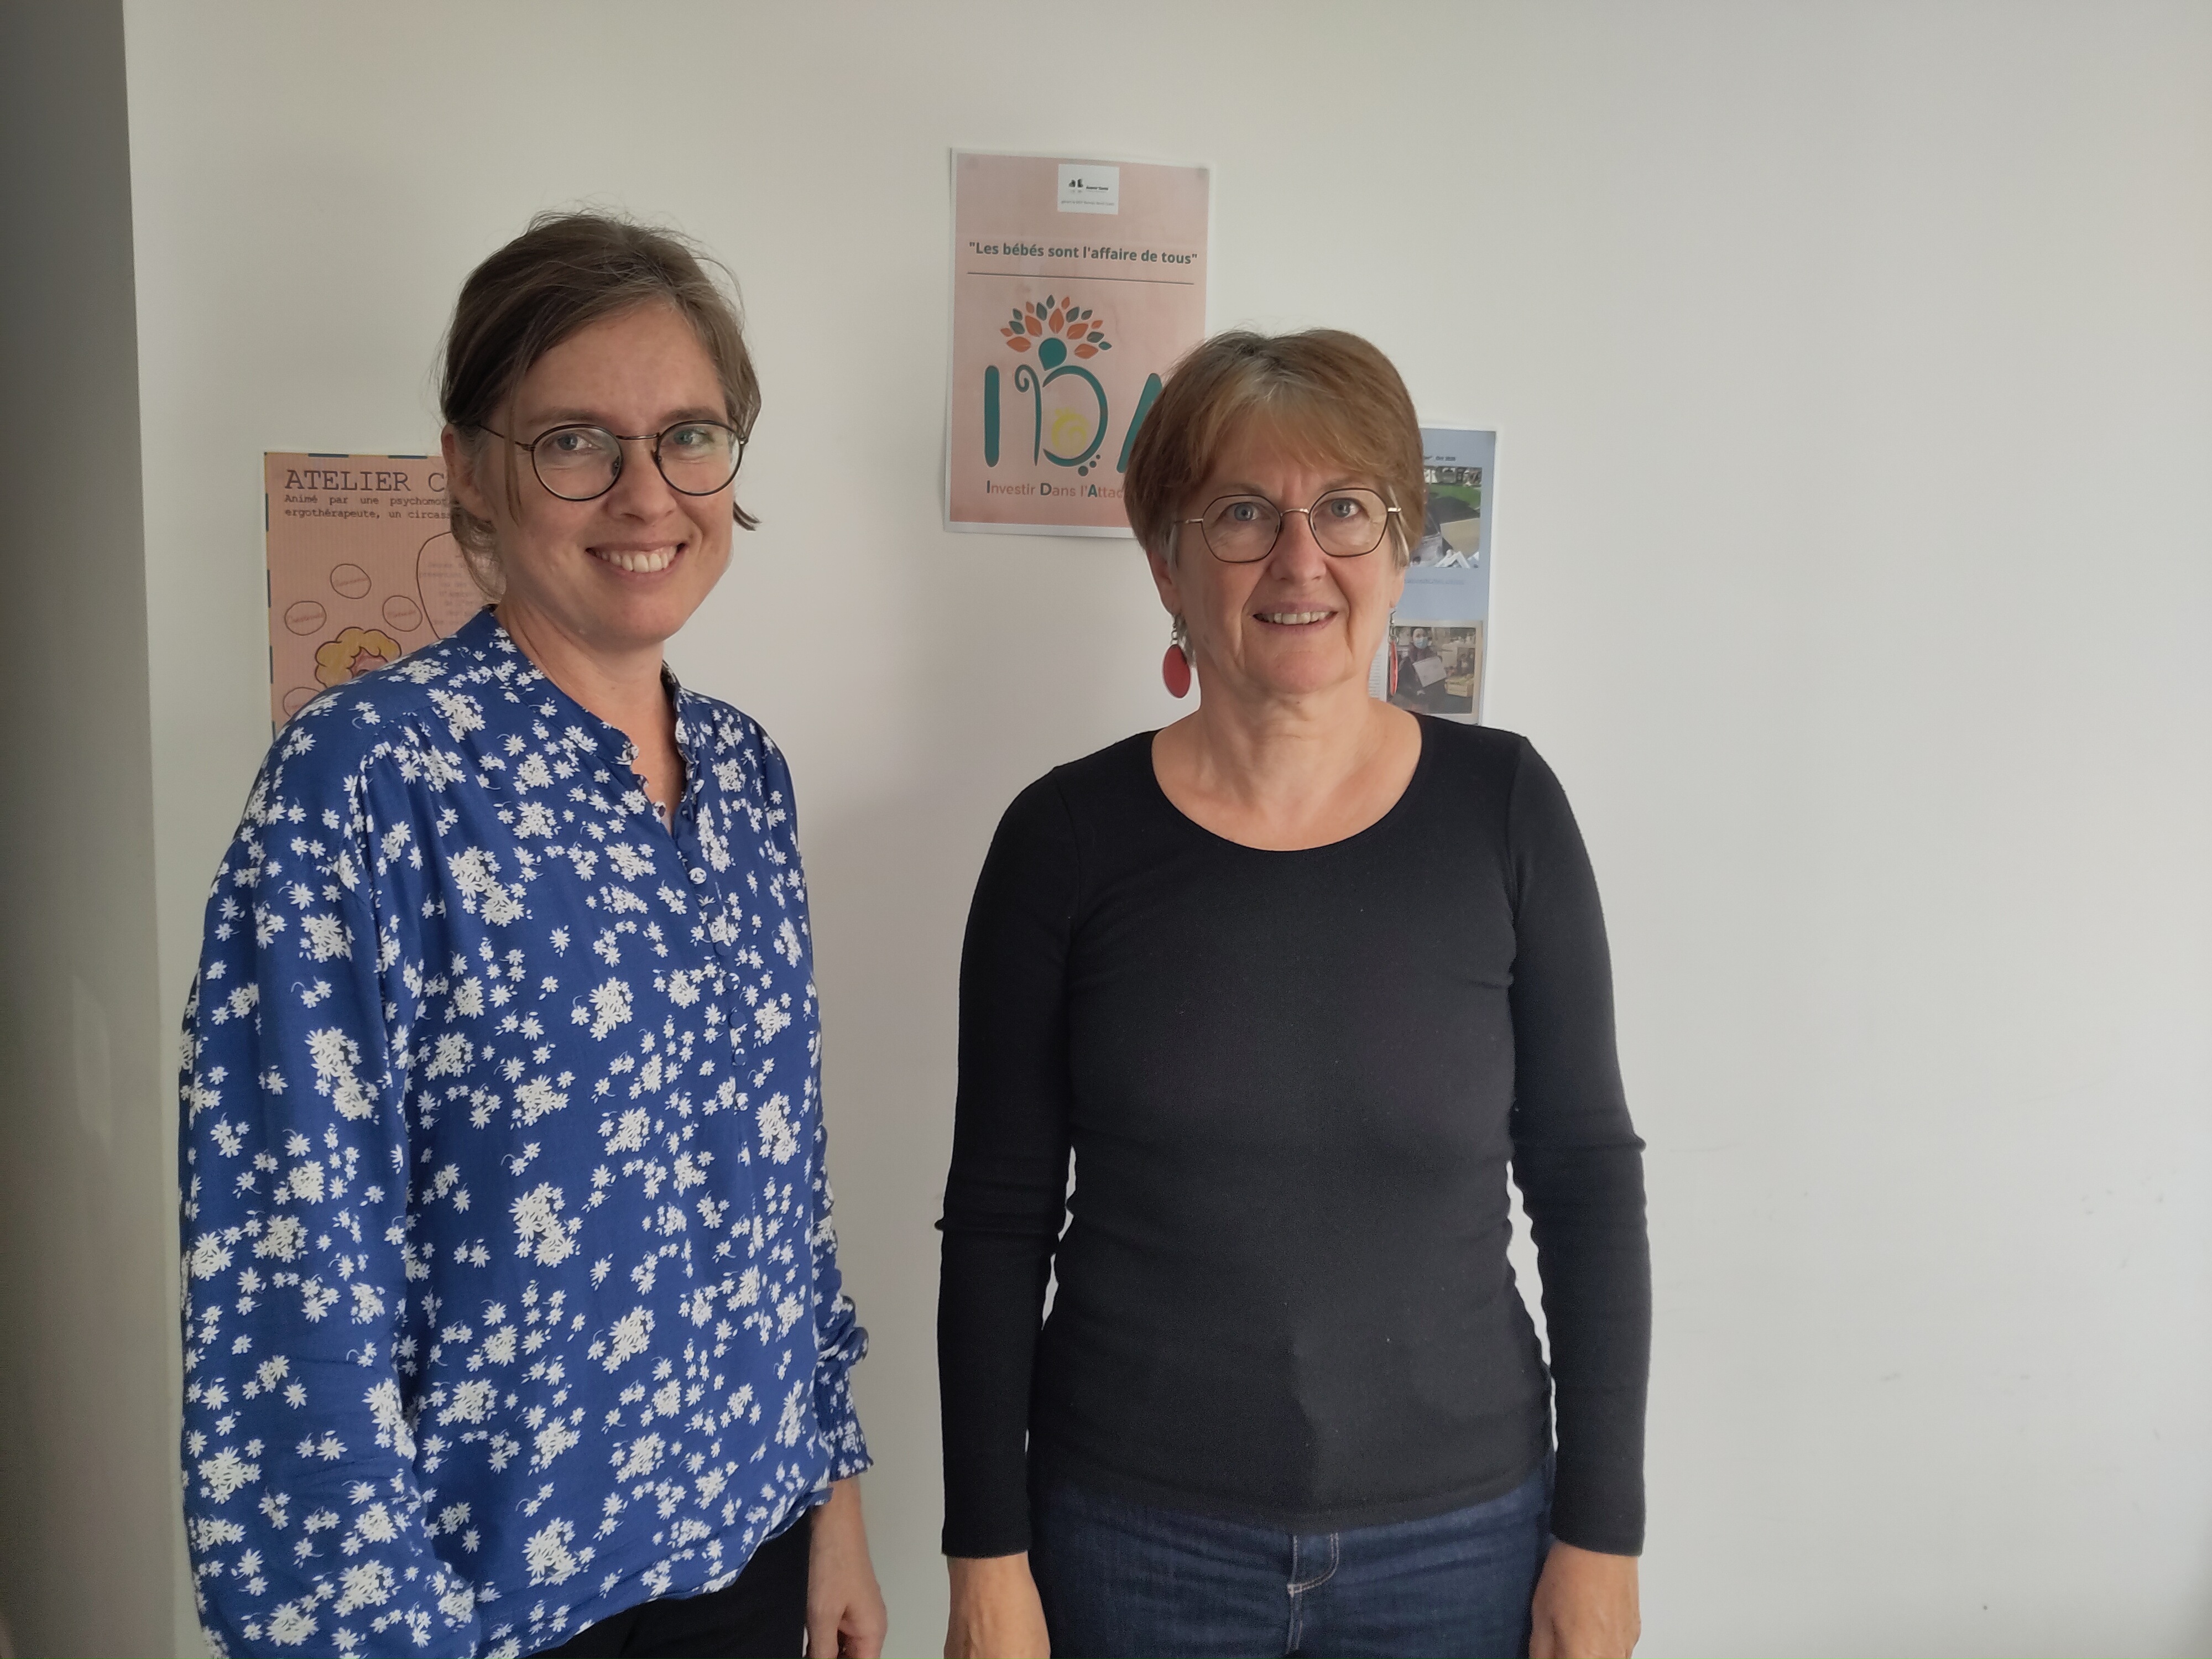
(1348, 522)
(698, 457)
(1241, 529)
(577, 462)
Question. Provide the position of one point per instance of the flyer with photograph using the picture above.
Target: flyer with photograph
(1076, 285)
(1434, 659)
(362, 568)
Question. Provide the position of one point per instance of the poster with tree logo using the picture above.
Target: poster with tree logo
(362, 568)
(1076, 285)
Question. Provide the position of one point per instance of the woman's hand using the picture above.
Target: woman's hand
(996, 1613)
(1585, 1606)
(844, 1609)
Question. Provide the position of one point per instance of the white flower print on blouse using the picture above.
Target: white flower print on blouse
(511, 1295)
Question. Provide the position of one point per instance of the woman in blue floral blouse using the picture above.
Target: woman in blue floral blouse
(513, 1319)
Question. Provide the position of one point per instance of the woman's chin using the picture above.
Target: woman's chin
(1303, 680)
(650, 616)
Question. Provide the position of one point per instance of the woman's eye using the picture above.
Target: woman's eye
(1344, 507)
(1243, 513)
(568, 443)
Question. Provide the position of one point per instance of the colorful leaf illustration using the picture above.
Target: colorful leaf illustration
(1051, 318)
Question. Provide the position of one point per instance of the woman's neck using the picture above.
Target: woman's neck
(1288, 772)
(624, 688)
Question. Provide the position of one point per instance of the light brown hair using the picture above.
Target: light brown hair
(564, 273)
(1328, 395)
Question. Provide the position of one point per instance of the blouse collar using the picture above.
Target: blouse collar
(485, 636)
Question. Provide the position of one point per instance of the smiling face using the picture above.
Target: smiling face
(614, 577)
(1297, 622)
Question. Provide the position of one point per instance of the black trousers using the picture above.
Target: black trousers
(761, 1616)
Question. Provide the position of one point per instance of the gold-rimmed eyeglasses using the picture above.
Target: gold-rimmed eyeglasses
(580, 462)
(1244, 529)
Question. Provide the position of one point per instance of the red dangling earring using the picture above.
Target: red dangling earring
(1174, 667)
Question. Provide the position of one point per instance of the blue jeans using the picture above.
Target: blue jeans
(1119, 1578)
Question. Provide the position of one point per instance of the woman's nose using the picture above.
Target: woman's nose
(1296, 552)
(638, 487)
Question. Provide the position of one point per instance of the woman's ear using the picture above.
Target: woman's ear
(461, 478)
(1163, 576)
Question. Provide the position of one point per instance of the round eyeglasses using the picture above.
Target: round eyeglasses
(580, 462)
(1245, 529)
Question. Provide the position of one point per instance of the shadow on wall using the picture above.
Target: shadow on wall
(889, 895)
(889, 885)
(2199, 1639)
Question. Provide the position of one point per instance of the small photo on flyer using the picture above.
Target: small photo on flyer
(1435, 668)
(1451, 533)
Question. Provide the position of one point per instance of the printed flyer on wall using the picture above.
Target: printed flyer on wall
(362, 568)
(1076, 285)
(1434, 659)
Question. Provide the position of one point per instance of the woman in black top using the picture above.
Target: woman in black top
(1295, 979)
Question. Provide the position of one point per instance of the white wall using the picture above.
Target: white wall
(88, 1297)
(1851, 367)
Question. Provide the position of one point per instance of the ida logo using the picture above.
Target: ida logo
(1068, 429)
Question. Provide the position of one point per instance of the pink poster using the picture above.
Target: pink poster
(362, 568)
(1076, 285)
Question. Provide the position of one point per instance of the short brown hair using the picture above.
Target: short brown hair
(1329, 395)
(564, 273)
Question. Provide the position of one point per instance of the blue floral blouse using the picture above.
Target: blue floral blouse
(511, 1297)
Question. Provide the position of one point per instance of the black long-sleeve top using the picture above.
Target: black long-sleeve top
(1293, 1083)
